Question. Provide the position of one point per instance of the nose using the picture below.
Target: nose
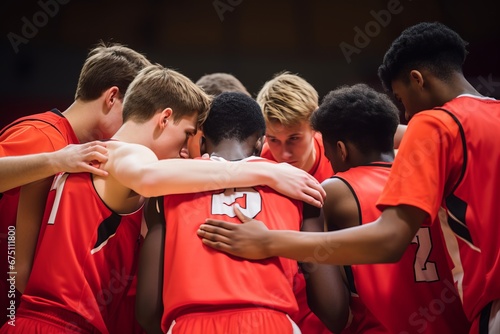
(286, 154)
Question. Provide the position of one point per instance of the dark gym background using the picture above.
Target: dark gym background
(252, 39)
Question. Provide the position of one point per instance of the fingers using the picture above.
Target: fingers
(212, 225)
(217, 245)
(213, 237)
(240, 214)
(94, 170)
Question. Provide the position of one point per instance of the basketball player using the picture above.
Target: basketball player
(207, 291)
(95, 114)
(443, 161)
(98, 247)
(213, 84)
(402, 296)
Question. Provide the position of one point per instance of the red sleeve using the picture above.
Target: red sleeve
(427, 164)
(26, 139)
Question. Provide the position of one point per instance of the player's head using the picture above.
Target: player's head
(355, 116)
(287, 102)
(421, 59)
(213, 84)
(178, 105)
(236, 117)
(107, 66)
(217, 83)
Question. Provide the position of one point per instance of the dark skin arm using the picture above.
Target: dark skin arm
(149, 304)
(382, 241)
(327, 294)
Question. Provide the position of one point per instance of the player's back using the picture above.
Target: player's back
(200, 279)
(416, 294)
(86, 255)
(44, 132)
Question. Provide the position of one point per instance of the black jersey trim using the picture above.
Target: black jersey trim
(360, 222)
(464, 146)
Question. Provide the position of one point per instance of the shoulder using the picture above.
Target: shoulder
(340, 208)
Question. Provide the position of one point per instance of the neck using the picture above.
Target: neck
(458, 85)
(82, 117)
(361, 159)
(230, 150)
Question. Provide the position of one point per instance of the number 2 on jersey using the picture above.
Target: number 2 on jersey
(424, 270)
(248, 199)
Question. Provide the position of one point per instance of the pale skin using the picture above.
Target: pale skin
(382, 241)
(74, 158)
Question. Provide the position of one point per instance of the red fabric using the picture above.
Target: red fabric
(86, 256)
(198, 278)
(471, 199)
(45, 132)
(416, 294)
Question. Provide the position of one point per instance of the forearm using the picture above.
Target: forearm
(370, 243)
(176, 176)
(327, 295)
(20, 170)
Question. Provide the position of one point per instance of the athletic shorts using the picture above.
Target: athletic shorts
(240, 321)
(488, 321)
(48, 322)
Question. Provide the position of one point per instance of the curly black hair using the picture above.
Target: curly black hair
(357, 114)
(432, 46)
(233, 115)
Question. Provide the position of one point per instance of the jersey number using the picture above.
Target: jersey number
(248, 199)
(424, 270)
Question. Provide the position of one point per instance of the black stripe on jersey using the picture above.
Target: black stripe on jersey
(484, 319)
(464, 146)
(456, 217)
(55, 111)
(106, 230)
(360, 221)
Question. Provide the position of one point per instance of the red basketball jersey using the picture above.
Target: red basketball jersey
(45, 132)
(198, 278)
(86, 256)
(416, 294)
(308, 322)
(460, 144)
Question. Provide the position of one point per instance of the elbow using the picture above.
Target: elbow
(335, 323)
(147, 320)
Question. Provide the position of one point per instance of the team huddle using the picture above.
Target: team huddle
(156, 204)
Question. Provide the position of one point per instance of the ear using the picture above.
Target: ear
(164, 117)
(342, 148)
(111, 96)
(417, 78)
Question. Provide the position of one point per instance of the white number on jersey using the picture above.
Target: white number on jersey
(248, 199)
(425, 270)
(58, 185)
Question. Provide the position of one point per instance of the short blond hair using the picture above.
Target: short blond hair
(287, 99)
(156, 88)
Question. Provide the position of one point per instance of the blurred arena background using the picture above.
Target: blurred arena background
(329, 43)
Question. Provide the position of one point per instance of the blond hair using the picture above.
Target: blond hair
(107, 66)
(287, 99)
(156, 88)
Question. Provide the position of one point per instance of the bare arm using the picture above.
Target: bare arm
(149, 300)
(382, 241)
(20, 170)
(137, 168)
(327, 294)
